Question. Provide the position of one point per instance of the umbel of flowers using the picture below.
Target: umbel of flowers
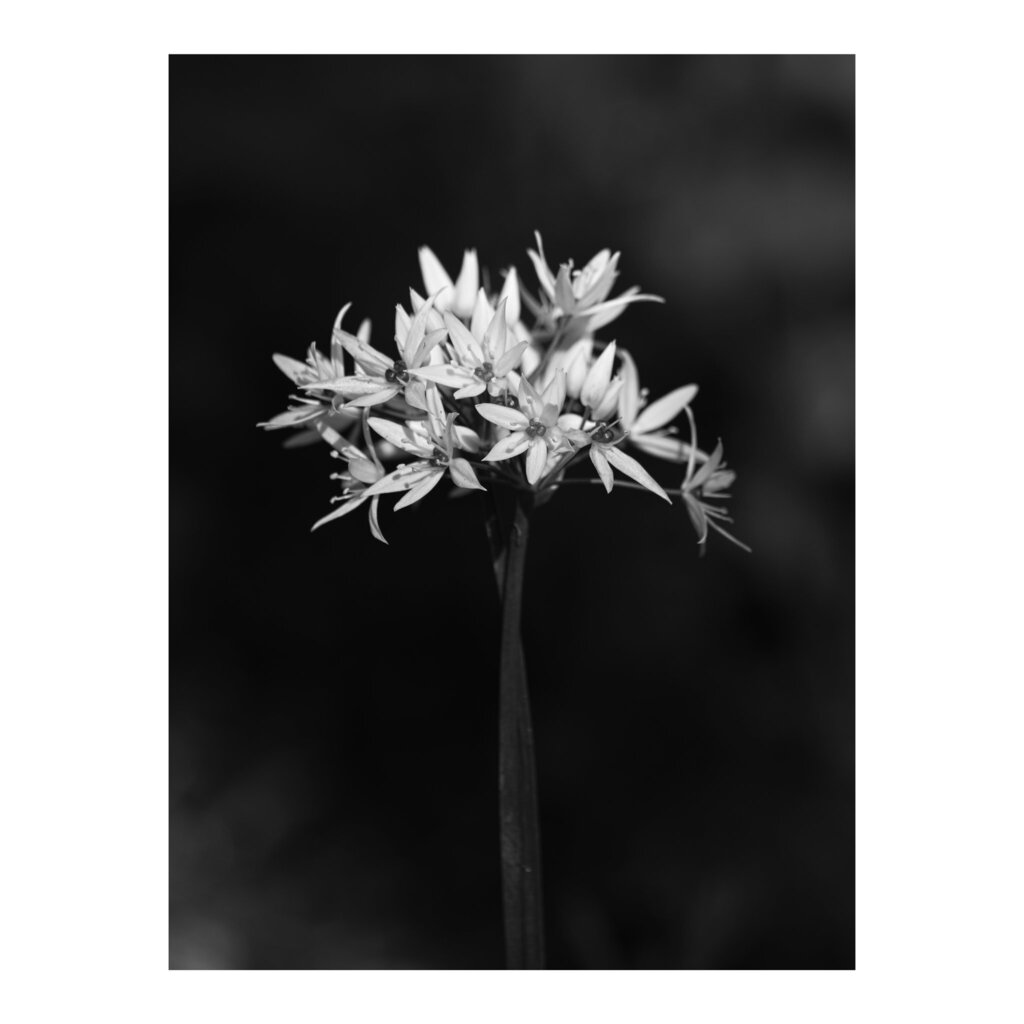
(473, 394)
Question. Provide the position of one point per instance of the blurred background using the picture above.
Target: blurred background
(333, 744)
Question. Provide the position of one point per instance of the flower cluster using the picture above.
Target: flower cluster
(475, 395)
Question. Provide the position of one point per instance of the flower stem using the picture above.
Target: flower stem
(517, 780)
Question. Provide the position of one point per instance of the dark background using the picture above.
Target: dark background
(333, 701)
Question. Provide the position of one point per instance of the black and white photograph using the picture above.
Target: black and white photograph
(512, 512)
(504, 523)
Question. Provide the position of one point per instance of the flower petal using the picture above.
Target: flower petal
(467, 284)
(536, 456)
(339, 444)
(400, 436)
(471, 390)
(495, 335)
(596, 381)
(435, 278)
(604, 313)
(662, 446)
(483, 314)
(510, 360)
(597, 288)
(348, 506)
(466, 438)
(503, 416)
(422, 489)
(564, 297)
(347, 386)
(291, 368)
(364, 471)
(540, 265)
(466, 346)
(554, 393)
(402, 322)
(462, 474)
(697, 517)
(294, 416)
(415, 394)
(366, 355)
(508, 447)
(374, 522)
(403, 478)
(720, 481)
(529, 400)
(708, 468)
(448, 374)
(627, 464)
(417, 332)
(609, 405)
(364, 401)
(664, 410)
(604, 471)
(576, 364)
(591, 275)
(510, 292)
(629, 396)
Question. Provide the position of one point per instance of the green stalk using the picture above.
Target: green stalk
(517, 777)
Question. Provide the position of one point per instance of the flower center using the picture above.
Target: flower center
(485, 372)
(536, 429)
(397, 374)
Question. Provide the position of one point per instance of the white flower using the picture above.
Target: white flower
(573, 392)
(360, 473)
(643, 424)
(533, 427)
(709, 483)
(459, 296)
(482, 362)
(583, 293)
(602, 441)
(382, 378)
(317, 369)
(433, 441)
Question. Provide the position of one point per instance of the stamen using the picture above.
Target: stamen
(397, 374)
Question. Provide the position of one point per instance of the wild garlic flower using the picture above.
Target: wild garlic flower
(315, 371)
(584, 293)
(482, 357)
(379, 378)
(458, 296)
(645, 424)
(702, 486)
(478, 397)
(533, 426)
(360, 472)
(433, 442)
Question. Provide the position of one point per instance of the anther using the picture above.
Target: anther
(397, 374)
